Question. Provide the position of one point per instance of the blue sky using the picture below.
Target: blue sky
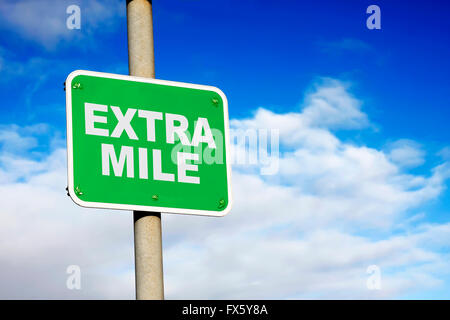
(271, 56)
(272, 49)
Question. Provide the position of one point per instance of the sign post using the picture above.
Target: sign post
(147, 226)
(147, 145)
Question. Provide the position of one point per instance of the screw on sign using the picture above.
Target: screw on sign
(145, 144)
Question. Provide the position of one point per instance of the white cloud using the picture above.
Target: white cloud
(44, 21)
(406, 153)
(300, 233)
(445, 153)
(331, 106)
(310, 231)
(43, 232)
(17, 139)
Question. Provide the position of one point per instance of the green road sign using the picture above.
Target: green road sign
(145, 144)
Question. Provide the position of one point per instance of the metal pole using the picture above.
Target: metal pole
(147, 225)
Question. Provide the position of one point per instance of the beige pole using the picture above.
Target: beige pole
(147, 225)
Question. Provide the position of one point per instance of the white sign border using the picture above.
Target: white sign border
(114, 206)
